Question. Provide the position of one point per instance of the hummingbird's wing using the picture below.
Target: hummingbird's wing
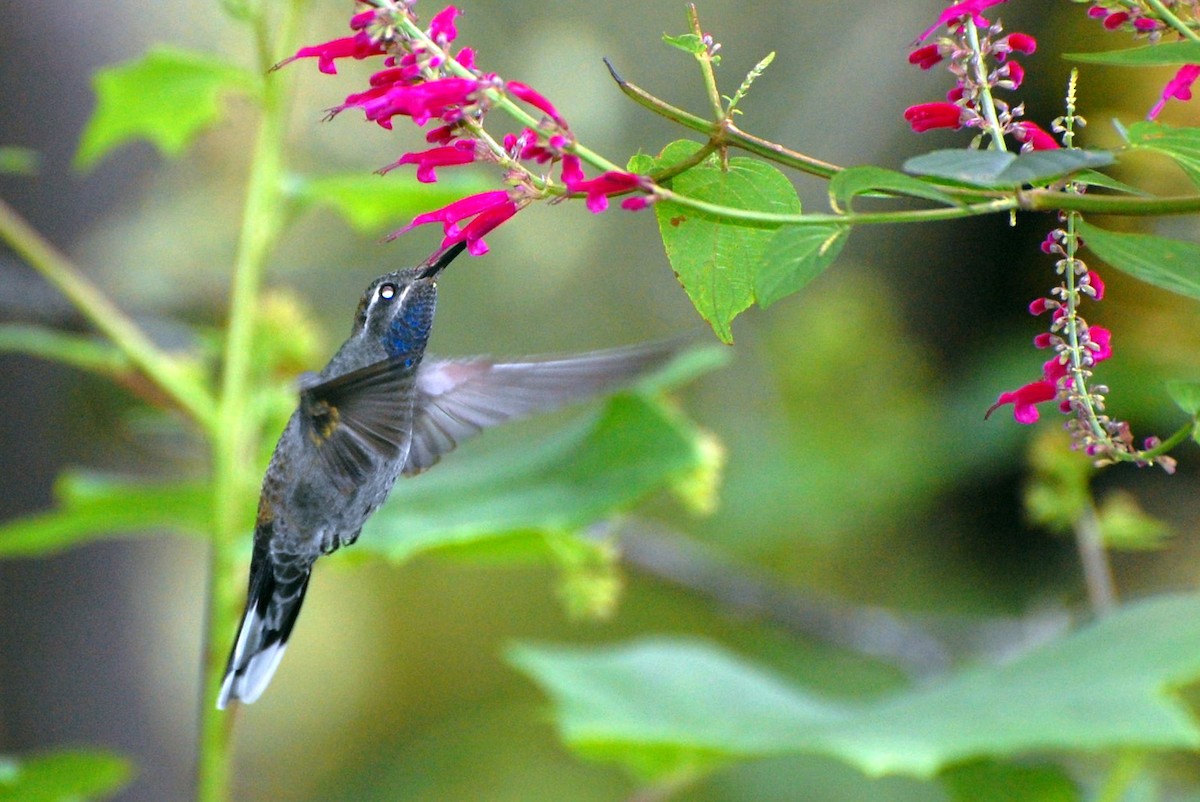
(359, 417)
(457, 399)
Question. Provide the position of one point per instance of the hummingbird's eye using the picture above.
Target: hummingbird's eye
(387, 291)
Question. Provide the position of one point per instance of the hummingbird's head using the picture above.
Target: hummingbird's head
(397, 308)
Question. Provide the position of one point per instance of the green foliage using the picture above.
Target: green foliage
(1180, 144)
(168, 97)
(19, 161)
(85, 353)
(717, 260)
(1125, 526)
(878, 181)
(687, 42)
(1186, 396)
(1161, 54)
(663, 707)
(94, 507)
(992, 781)
(1166, 263)
(794, 256)
(508, 504)
(996, 168)
(68, 776)
(371, 203)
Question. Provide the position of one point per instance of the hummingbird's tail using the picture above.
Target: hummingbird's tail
(272, 604)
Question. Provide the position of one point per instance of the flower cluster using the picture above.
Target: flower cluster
(422, 81)
(979, 56)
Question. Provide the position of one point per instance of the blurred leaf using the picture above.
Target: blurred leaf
(98, 508)
(1186, 395)
(1162, 54)
(370, 203)
(795, 256)
(168, 97)
(996, 168)
(989, 781)
(1125, 526)
(19, 161)
(1180, 144)
(666, 706)
(1058, 491)
(687, 42)
(715, 259)
(634, 447)
(1167, 263)
(67, 776)
(590, 582)
(1095, 179)
(854, 181)
(85, 353)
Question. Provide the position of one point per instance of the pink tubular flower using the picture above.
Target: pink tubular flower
(489, 209)
(928, 116)
(487, 220)
(1034, 137)
(973, 8)
(421, 101)
(1179, 87)
(359, 46)
(613, 182)
(1097, 285)
(1021, 43)
(1102, 339)
(925, 57)
(536, 99)
(1025, 400)
(461, 152)
(1116, 20)
(441, 26)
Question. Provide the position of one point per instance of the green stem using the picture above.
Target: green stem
(1166, 446)
(1175, 22)
(237, 432)
(985, 90)
(1044, 200)
(1097, 568)
(706, 66)
(171, 374)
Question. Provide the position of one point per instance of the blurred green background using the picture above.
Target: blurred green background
(860, 472)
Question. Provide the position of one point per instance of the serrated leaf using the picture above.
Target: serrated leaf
(370, 203)
(1171, 264)
(167, 97)
(715, 259)
(994, 168)
(854, 181)
(795, 256)
(1180, 144)
(96, 508)
(19, 161)
(1159, 55)
(1186, 395)
(687, 42)
(663, 706)
(67, 776)
(991, 781)
(633, 448)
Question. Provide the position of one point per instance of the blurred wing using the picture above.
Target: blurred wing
(457, 399)
(358, 418)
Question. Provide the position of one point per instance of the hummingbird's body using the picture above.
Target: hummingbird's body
(378, 410)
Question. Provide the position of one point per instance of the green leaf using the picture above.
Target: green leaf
(370, 203)
(19, 161)
(1180, 144)
(687, 42)
(715, 259)
(1095, 179)
(1159, 55)
(168, 97)
(95, 508)
(514, 499)
(854, 181)
(989, 781)
(1167, 263)
(67, 776)
(1186, 395)
(665, 706)
(795, 256)
(1125, 526)
(85, 353)
(995, 168)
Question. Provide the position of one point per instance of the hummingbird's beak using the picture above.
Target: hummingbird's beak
(437, 263)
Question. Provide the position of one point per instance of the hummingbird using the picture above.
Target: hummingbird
(382, 409)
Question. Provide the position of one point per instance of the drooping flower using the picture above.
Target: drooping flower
(489, 210)
(359, 46)
(441, 26)
(928, 116)
(1179, 87)
(925, 57)
(422, 101)
(1025, 400)
(536, 99)
(463, 151)
(598, 189)
(972, 8)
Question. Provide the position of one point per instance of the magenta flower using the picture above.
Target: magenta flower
(925, 57)
(1025, 400)
(423, 101)
(1179, 87)
(461, 152)
(536, 99)
(441, 26)
(1102, 339)
(598, 190)
(928, 116)
(1021, 43)
(1034, 137)
(1096, 284)
(359, 46)
(972, 8)
(489, 209)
